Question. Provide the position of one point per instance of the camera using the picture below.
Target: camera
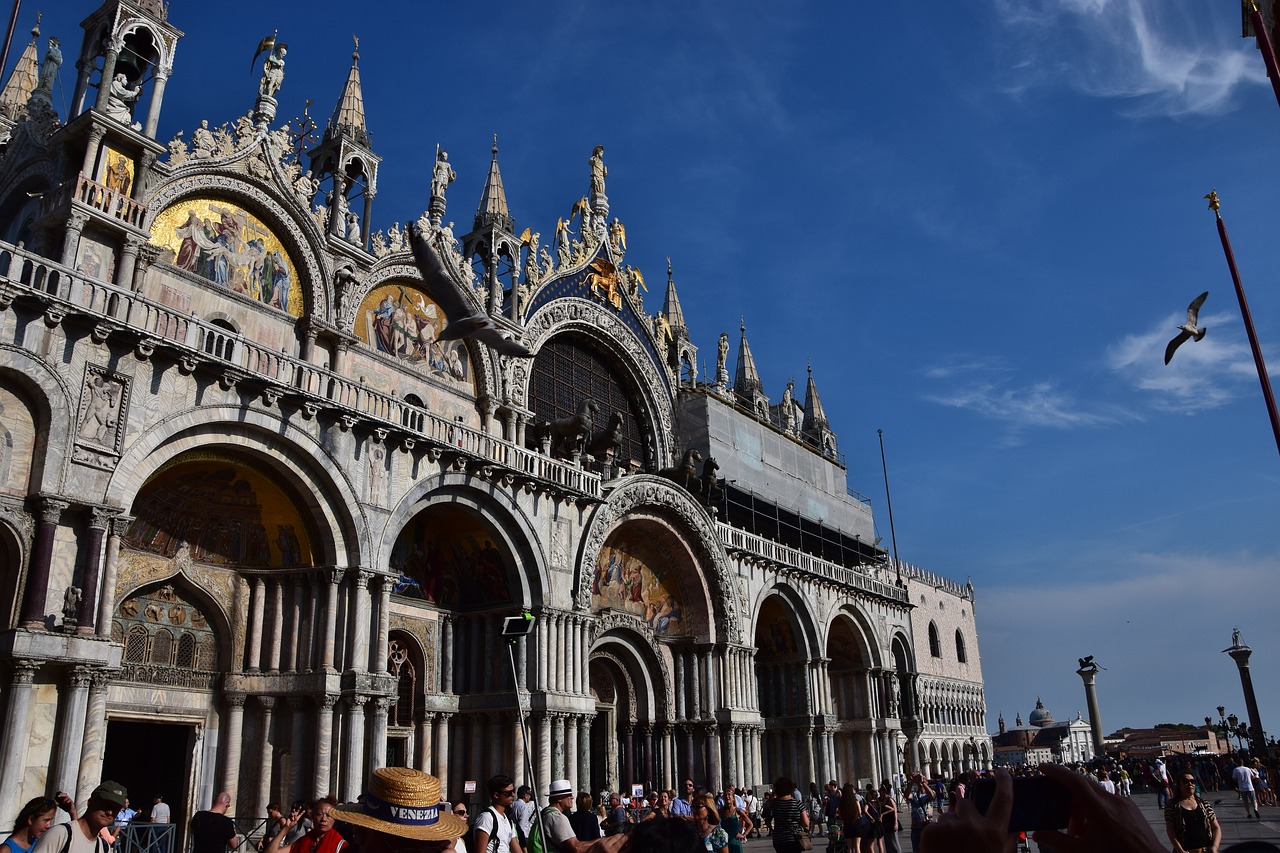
(1039, 802)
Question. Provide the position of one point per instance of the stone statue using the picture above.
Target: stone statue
(395, 238)
(1235, 638)
(722, 358)
(617, 236)
(442, 174)
(598, 171)
(273, 72)
(48, 71)
(789, 408)
(120, 99)
(202, 141)
(71, 606)
(353, 228)
(338, 211)
(562, 242)
(306, 186)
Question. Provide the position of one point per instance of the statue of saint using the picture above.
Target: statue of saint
(789, 408)
(49, 71)
(722, 359)
(1235, 637)
(202, 141)
(442, 175)
(120, 99)
(273, 72)
(598, 171)
(562, 242)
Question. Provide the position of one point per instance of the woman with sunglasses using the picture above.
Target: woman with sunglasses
(1189, 821)
(707, 821)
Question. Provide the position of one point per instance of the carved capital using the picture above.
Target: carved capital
(362, 578)
(357, 701)
(51, 510)
(100, 517)
(24, 671)
(235, 701)
(267, 702)
(79, 677)
(327, 702)
(381, 704)
(77, 221)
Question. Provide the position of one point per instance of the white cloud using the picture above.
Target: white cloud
(1203, 374)
(1166, 57)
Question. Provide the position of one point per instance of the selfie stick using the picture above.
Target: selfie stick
(513, 628)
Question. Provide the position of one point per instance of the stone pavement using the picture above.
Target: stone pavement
(1235, 826)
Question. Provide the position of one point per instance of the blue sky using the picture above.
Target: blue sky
(980, 221)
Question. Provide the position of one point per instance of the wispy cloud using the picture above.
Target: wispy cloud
(1165, 57)
(1203, 375)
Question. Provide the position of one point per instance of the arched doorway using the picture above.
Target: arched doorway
(851, 700)
(782, 659)
(630, 738)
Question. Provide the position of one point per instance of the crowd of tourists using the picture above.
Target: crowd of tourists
(402, 811)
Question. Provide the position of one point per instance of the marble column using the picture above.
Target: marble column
(257, 609)
(107, 600)
(99, 519)
(17, 726)
(357, 654)
(557, 633)
(353, 734)
(328, 651)
(74, 703)
(324, 746)
(298, 707)
(668, 776)
(379, 662)
(557, 745)
(646, 743)
(290, 662)
(129, 251)
(441, 738)
(381, 707)
(157, 98)
(266, 756)
(108, 75)
(543, 740)
(584, 753)
(519, 774)
(713, 756)
(232, 731)
(277, 628)
(476, 732)
(95, 737)
(571, 752)
(310, 638)
(543, 651)
(37, 584)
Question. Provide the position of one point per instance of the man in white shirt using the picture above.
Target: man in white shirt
(1244, 777)
(1107, 785)
(495, 833)
(160, 811)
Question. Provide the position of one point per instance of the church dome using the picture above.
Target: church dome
(1040, 716)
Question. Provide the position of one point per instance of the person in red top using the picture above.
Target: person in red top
(322, 838)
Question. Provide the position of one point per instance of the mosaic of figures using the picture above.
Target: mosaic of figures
(401, 321)
(115, 171)
(223, 512)
(17, 443)
(447, 556)
(227, 245)
(629, 577)
(167, 639)
(775, 632)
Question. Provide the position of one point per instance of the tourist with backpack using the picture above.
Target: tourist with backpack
(494, 831)
(559, 835)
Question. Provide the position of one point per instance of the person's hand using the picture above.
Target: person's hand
(1100, 822)
(970, 831)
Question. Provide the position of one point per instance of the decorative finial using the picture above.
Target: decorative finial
(742, 324)
(1214, 203)
(809, 366)
(495, 146)
(355, 54)
(668, 267)
(35, 31)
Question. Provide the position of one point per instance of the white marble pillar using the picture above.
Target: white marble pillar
(358, 653)
(232, 732)
(559, 644)
(441, 732)
(291, 651)
(353, 736)
(557, 745)
(379, 662)
(518, 772)
(322, 787)
(381, 708)
(17, 725)
(543, 740)
(74, 703)
(277, 629)
(257, 609)
(542, 649)
(95, 737)
(110, 572)
(446, 655)
(571, 752)
(328, 651)
(266, 756)
(424, 741)
(298, 707)
(584, 753)
(667, 778)
(695, 671)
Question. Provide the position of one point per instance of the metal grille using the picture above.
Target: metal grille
(567, 371)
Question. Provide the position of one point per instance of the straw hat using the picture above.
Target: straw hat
(403, 802)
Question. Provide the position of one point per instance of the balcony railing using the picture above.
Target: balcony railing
(860, 579)
(97, 197)
(189, 337)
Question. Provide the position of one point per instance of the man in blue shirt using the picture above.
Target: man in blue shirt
(683, 804)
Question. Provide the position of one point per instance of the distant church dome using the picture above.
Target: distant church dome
(1040, 716)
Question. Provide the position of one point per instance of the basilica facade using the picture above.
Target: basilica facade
(261, 523)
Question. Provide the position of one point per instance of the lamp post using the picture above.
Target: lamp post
(1240, 654)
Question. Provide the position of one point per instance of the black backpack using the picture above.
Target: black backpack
(492, 846)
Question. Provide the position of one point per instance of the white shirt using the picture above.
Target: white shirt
(505, 832)
(160, 813)
(1107, 785)
(1244, 778)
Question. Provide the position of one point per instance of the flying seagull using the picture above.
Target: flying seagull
(464, 320)
(1189, 329)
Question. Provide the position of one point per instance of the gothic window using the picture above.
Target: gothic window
(566, 372)
(400, 665)
(167, 640)
(935, 644)
(960, 654)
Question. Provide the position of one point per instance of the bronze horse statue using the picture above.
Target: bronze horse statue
(686, 473)
(610, 439)
(570, 435)
(709, 483)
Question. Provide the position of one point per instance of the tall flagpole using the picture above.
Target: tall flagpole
(1264, 45)
(1248, 318)
(893, 536)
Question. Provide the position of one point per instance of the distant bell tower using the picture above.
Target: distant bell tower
(345, 164)
(491, 244)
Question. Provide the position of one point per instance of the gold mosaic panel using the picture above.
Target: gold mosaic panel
(398, 319)
(630, 576)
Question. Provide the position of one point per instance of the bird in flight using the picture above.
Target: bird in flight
(466, 320)
(1188, 329)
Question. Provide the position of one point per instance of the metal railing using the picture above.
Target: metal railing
(188, 336)
(137, 837)
(860, 579)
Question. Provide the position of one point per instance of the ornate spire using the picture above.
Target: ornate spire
(746, 379)
(24, 79)
(671, 305)
(348, 115)
(814, 416)
(493, 209)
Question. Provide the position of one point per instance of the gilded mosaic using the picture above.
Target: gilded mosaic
(227, 245)
(629, 576)
(447, 556)
(223, 512)
(400, 320)
(115, 171)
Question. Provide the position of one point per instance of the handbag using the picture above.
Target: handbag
(804, 841)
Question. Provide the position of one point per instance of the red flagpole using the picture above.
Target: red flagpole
(1248, 319)
(1264, 45)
